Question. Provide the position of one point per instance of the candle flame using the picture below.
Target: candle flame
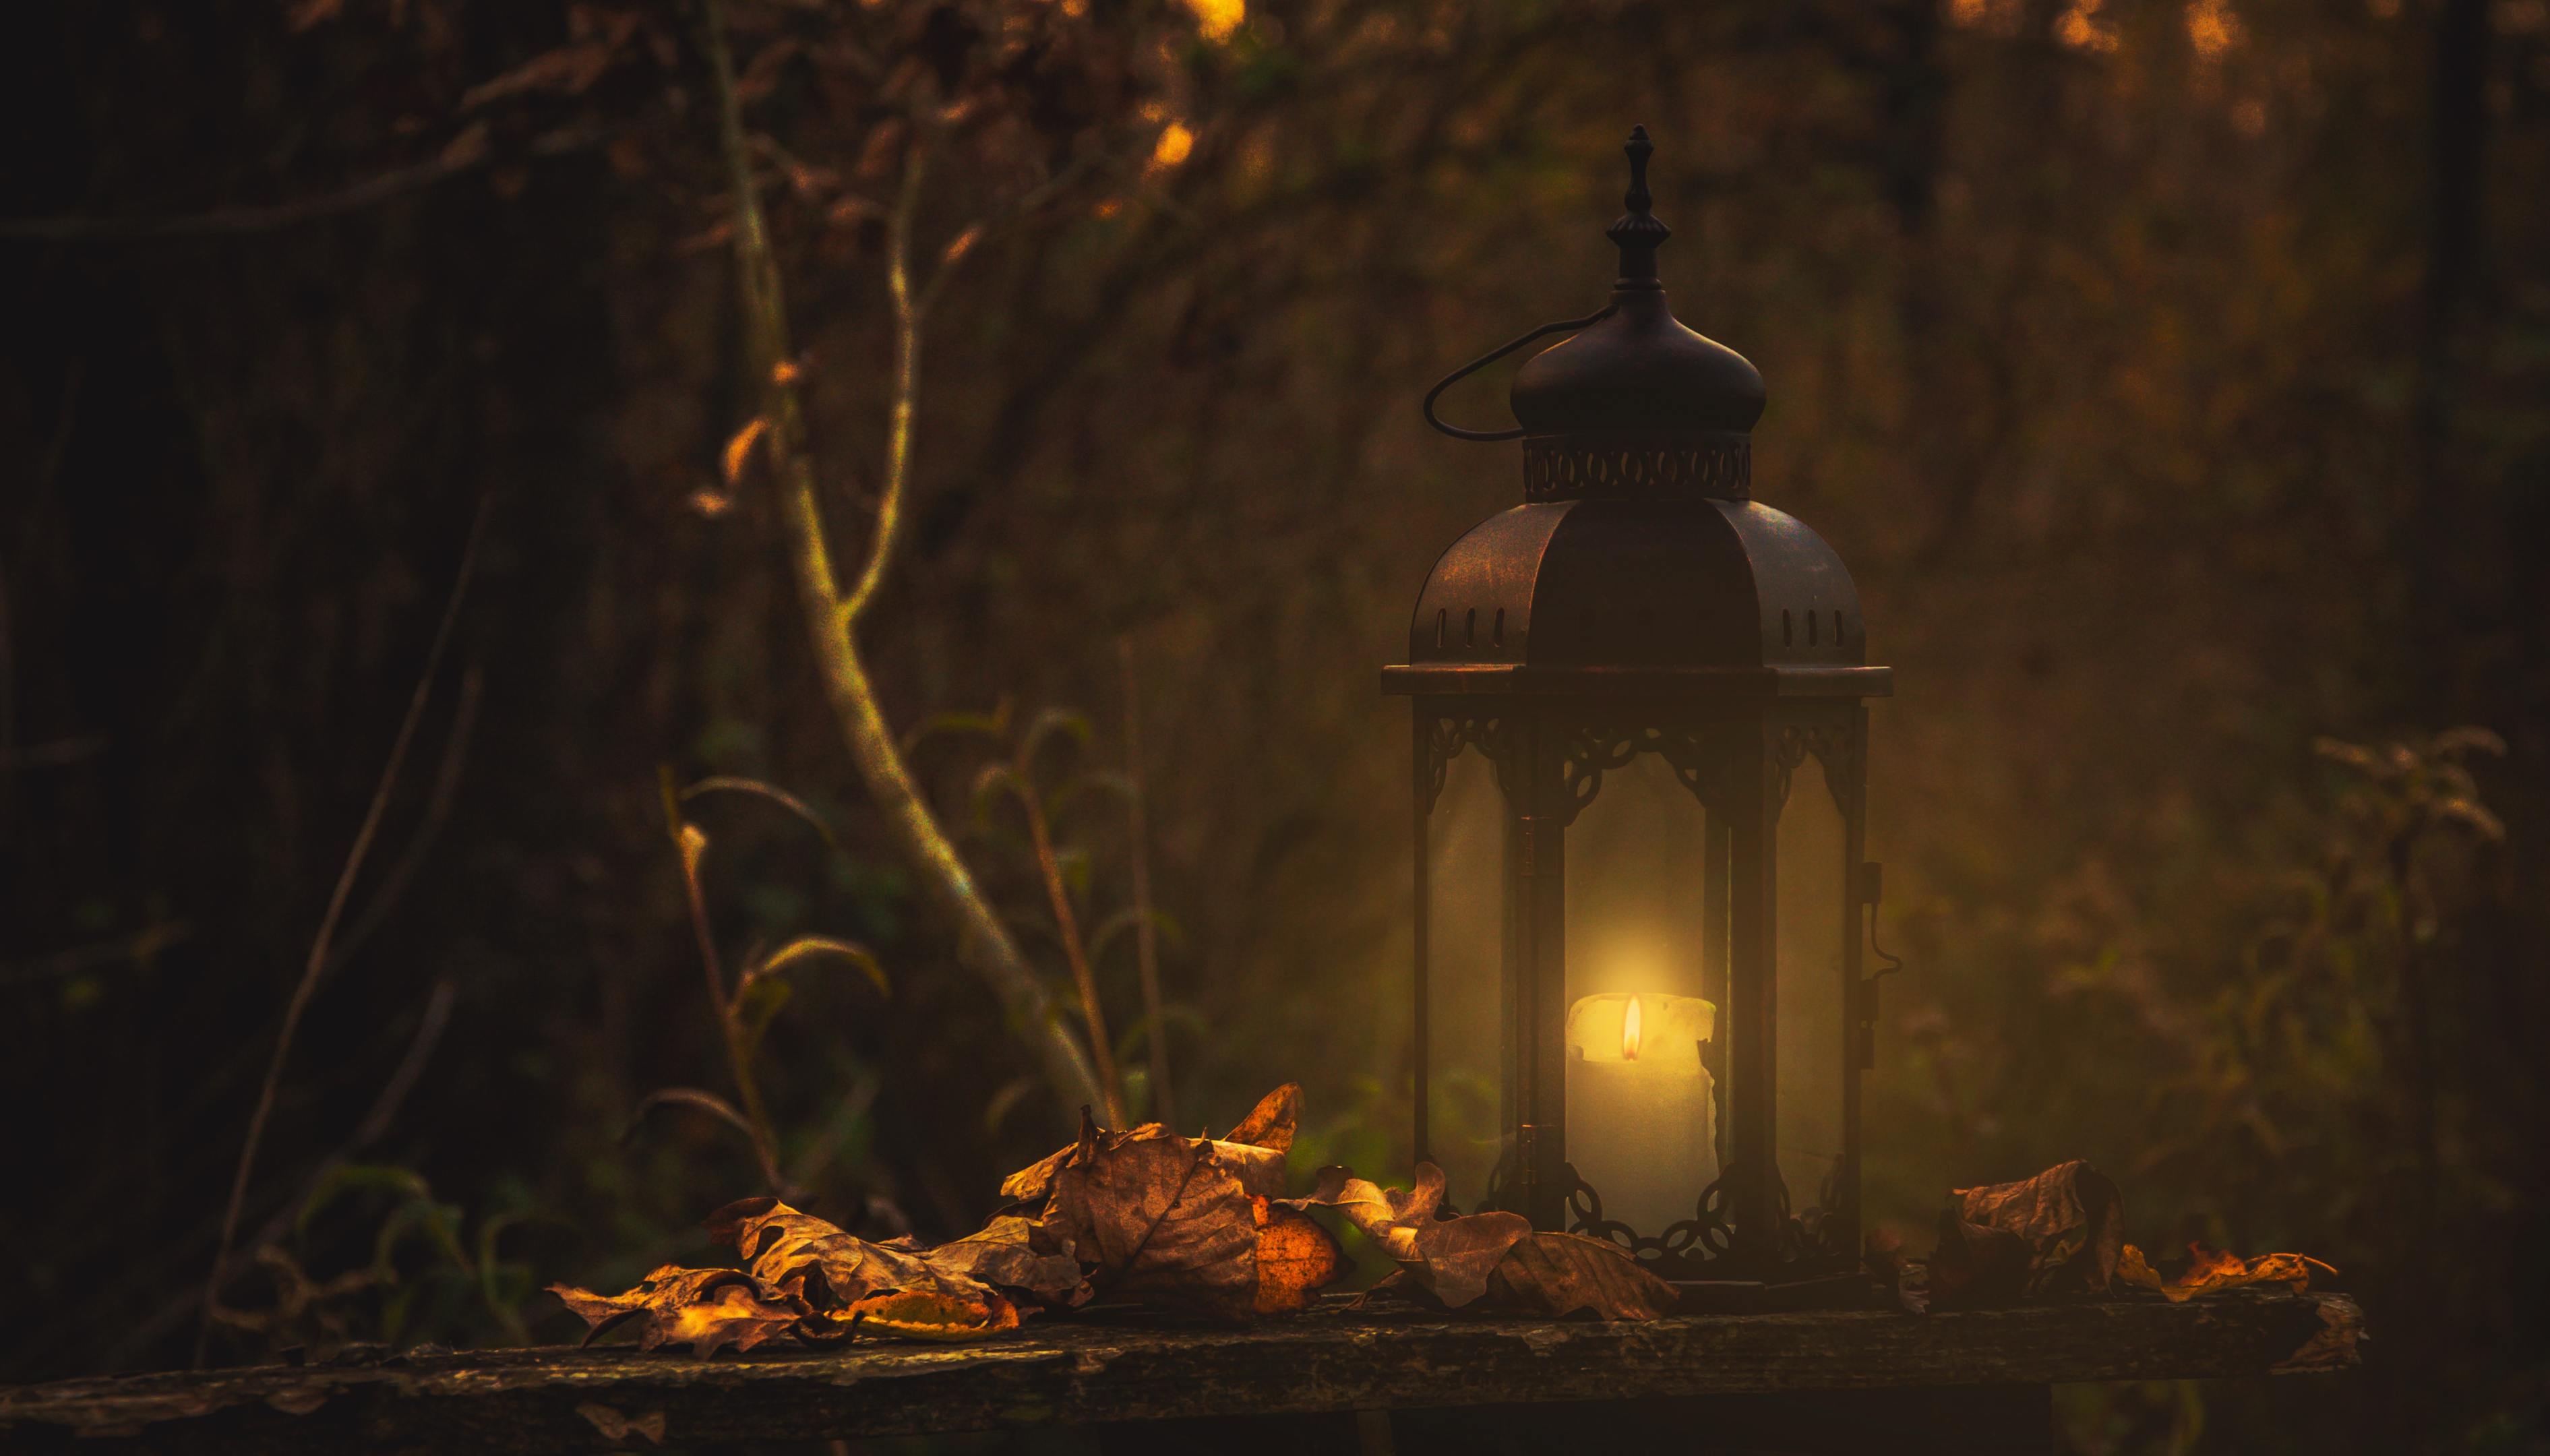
(1629, 1033)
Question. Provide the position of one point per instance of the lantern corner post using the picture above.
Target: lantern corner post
(1420, 815)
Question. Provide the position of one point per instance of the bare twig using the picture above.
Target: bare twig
(393, 1094)
(438, 806)
(236, 220)
(1164, 1107)
(318, 961)
(136, 947)
(984, 942)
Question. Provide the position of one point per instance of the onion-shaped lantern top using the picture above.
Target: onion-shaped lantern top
(1639, 561)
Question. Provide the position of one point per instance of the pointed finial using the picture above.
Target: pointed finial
(1639, 233)
(1637, 199)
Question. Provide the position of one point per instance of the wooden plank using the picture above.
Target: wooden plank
(1090, 1372)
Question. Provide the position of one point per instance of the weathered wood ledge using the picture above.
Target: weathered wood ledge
(1089, 1372)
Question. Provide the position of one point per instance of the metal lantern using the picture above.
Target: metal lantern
(1644, 1021)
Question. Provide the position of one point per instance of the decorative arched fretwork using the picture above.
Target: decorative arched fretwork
(1702, 760)
(1495, 735)
(1835, 746)
(1682, 1252)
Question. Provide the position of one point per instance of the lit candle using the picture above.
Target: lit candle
(1639, 1124)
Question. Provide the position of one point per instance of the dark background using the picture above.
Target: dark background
(2174, 377)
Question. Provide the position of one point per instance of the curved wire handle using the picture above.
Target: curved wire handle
(1484, 360)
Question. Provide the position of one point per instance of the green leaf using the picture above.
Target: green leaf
(1048, 723)
(1124, 920)
(994, 724)
(815, 947)
(735, 784)
(345, 1178)
(992, 779)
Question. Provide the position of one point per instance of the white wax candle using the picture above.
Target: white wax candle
(1639, 1124)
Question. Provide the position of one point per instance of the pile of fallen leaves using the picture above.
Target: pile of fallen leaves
(2058, 1234)
(1194, 1223)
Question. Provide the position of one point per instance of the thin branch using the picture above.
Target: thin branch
(907, 316)
(1164, 1107)
(438, 806)
(221, 221)
(318, 961)
(984, 943)
(136, 947)
(393, 1094)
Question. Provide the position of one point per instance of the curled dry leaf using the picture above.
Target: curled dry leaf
(1015, 1253)
(738, 449)
(2213, 1270)
(1261, 1169)
(708, 1309)
(936, 1316)
(2070, 1217)
(1449, 1258)
(1976, 1264)
(1272, 1122)
(1557, 1275)
(1165, 1218)
(1296, 1259)
(804, 1256)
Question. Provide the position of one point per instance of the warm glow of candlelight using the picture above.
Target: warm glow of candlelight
(1629, 1033)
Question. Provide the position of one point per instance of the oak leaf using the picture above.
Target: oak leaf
(2071, 1218)
(1556, 1275)
(806, 1256)
(708, 1309)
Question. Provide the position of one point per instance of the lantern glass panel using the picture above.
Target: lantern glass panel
(1810, 1014)
(1640, 1123)
(1467, 986)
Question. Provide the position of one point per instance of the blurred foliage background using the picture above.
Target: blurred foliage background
(2175, 375)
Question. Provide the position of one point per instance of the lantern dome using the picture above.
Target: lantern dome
(1639, 561)
(1627, 584)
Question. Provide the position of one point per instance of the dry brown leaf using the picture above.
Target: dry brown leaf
(934, 1316)
(1296, 1259)
(705, 1309)
(739, 451)
(1017, 1253)
(810, 1258)
(2214, 1270)
(1164, 1218)
(1261, 1169)
(1975, 1264)
(1556, 1275)
(1272, 1122)
(2070, 1217)
(1451, 1258)
(1036, 1180)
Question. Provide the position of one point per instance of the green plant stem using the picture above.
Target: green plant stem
(1164, 1107)
(693, 846)
(984, 942)
(1074, 949)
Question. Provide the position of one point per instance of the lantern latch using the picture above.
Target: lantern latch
(1872, 889)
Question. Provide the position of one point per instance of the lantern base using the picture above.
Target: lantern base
(1749, 1297)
